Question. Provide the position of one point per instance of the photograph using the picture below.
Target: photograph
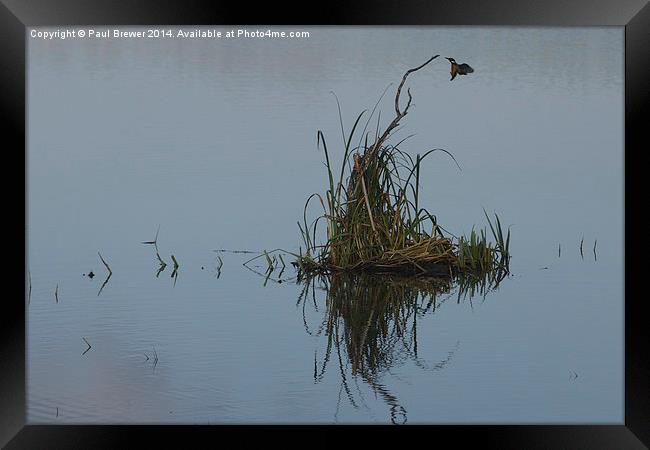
(315, 225)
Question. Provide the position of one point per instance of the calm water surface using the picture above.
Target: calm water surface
(215, 141)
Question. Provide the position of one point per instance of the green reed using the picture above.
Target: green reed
(373, 214)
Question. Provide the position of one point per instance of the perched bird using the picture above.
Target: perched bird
(459, 69)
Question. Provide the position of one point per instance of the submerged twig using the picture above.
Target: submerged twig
(155, 239)
(219, 266)
(162, 263)
(266, 254)
(272, 263)
(160, 269)
(88, 344)
(267, 276)
(233, 251)
(110, 274)
(175, 271)
(56, 293)
(582, 239)
(269, 263)
(105, 263)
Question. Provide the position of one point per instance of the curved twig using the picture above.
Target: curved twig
(400, 114)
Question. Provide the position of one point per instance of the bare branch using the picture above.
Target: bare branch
(399, 88)
(398, 114)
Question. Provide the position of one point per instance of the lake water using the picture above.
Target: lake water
(215, 142)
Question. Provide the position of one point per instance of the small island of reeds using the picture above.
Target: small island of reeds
(373, 215)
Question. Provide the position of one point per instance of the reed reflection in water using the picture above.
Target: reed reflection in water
(370, 323)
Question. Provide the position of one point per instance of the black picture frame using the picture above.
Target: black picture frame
(634, 15)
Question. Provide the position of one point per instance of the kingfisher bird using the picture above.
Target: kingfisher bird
(459, 69)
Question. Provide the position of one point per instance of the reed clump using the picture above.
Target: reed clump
(373, 216)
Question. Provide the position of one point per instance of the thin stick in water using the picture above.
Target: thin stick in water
(88, 344)
(104, 283)
(175, 271)
(105, 263)
(162, 265)
(155, 239)
(581, 242)
(219, 266)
